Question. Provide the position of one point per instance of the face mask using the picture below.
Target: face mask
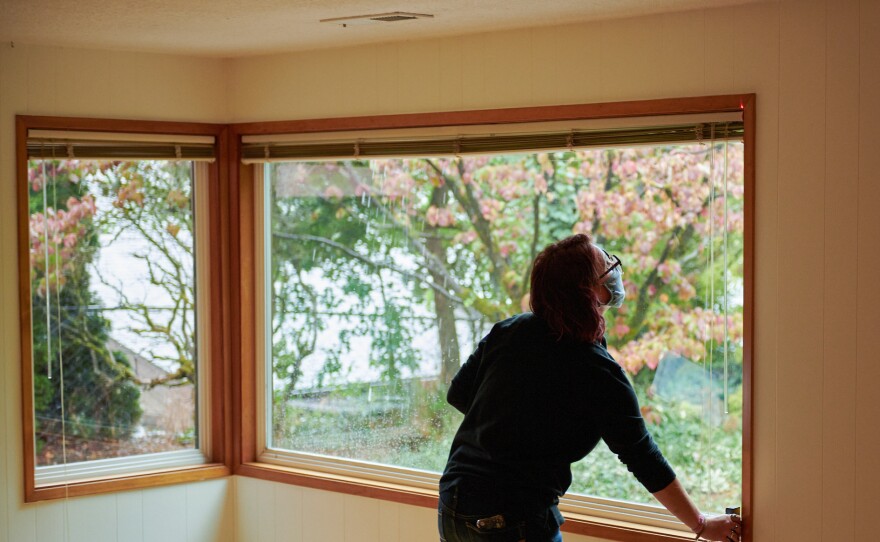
(613, 282)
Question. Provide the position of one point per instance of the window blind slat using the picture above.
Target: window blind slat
(268, 151)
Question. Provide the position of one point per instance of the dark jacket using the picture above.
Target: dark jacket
(534, 405)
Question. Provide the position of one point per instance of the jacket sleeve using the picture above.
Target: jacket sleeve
(623, 429)
(460, 394)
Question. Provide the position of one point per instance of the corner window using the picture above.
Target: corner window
(117, 288)
(380, 275)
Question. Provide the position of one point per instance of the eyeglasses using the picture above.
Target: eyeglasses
(617, 263)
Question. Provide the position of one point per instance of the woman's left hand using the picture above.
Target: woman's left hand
(726, 528)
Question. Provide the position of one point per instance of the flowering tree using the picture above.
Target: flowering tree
(69, 336)
(462, 232)
(367, 255)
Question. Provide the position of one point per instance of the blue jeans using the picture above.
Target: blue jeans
(457, 524)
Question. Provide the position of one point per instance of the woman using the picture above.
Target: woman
(537, 395)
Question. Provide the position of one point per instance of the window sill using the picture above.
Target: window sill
(140, 480)
(609, 529)
(53, 475)
(620, 531)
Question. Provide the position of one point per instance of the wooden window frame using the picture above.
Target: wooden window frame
(218, 463)
(245, 414)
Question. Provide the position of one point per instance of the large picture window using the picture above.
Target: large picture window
(117, 290)
(380, 274)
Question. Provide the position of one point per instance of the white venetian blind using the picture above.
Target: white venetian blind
(44, 144)
(477, 140)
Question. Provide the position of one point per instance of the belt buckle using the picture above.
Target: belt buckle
(491, 523)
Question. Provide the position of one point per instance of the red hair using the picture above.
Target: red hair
(562, 294)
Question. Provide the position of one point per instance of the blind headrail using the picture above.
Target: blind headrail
(59, 145)
(488, 144)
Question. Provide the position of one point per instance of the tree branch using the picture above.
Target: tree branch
(430, 261)
(379, 265)
(609, 176)
(464, 195)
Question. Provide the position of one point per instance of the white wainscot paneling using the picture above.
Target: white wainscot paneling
(164, 514)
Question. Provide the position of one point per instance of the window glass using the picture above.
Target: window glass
(113, 296)
(382, 275)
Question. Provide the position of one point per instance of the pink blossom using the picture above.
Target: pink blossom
(506, 249)
(431, 215)
(508, 192)
(540, 184)
(333, 192)
(441, 216)
(652, 360)
(490, 209)
(582, 227)
(467, 237)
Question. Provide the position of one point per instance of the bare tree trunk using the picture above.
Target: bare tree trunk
(444, 309)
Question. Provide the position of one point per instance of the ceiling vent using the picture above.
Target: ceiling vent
(393, 17)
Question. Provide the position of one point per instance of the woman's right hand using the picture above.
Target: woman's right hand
(726, 528)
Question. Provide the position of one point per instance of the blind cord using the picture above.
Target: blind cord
(710, 392)
(46, 268)
(726, 285)
(59, 350)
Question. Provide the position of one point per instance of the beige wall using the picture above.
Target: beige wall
(815, 66)
(48, 81)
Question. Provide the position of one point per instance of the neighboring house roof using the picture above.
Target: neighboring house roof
(166, 408)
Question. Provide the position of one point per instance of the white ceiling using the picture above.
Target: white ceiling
(231, 28)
